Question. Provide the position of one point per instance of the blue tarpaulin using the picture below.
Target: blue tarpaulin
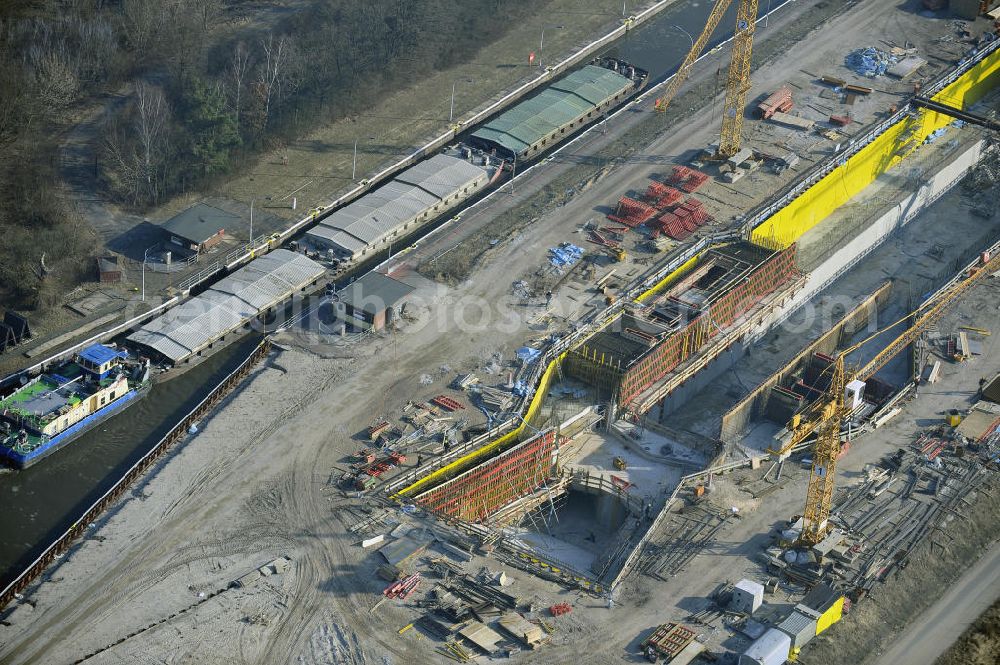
(528, 354)
(566, 254)
(869, 61)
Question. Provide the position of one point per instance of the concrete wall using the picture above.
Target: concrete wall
(736, 421)
(875, 233)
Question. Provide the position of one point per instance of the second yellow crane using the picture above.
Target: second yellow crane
(825, 416)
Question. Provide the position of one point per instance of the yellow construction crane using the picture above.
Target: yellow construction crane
(738, 82)
(825, 416)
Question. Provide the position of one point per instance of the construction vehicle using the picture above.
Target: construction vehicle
(738, 81)
(619, 463)
(825, 416)
(617, 253)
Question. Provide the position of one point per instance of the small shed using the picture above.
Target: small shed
(199, 228)
(771, 648)
(747, 596)
(799, 627)
(110, 270)
(373, 301)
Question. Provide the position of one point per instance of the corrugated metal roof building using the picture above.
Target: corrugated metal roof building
(532, 125)
(230, 304)
(415, 196)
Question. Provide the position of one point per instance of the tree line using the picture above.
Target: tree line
(204, 93)
(218, 103)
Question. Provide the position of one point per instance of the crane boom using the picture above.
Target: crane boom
(829, 412)
(738, 81)
(718, 11)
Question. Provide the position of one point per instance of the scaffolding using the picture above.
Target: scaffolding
(479, 492)
(644, 345)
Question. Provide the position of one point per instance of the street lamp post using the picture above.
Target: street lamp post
(451, 113)
(251, 222)
(541, 42)
(145, 255)
(354, 163)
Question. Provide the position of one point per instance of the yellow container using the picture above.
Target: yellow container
(954, 418)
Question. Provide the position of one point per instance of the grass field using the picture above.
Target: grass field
(315, 168)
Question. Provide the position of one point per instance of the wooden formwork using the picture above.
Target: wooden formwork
(479, 492)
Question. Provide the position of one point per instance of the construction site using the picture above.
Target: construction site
(732, 397)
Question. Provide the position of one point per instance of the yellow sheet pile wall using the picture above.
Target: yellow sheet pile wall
(664, 283)
(815, 204)
(462, 463)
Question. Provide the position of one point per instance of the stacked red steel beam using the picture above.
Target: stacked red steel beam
(632, 213)
(683, 219)
(687, 179)
(661, 196)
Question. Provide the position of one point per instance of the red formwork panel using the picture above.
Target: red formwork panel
(632, 213)
(677, 348)
(481, 491)
(769, 276)
(687, 179)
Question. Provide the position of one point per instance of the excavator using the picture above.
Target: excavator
(826, 415)
(738, 81)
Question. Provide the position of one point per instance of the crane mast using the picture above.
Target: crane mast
(827, 414)
(738, 81)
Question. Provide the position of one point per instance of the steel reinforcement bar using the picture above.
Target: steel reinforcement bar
(63, 542)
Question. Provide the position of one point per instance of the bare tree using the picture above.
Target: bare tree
(238, 72)
(140, 21)
(269, 74)
(150, 124)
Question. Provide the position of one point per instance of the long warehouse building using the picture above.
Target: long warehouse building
(231, 304)
(563, 107)
(411, 199)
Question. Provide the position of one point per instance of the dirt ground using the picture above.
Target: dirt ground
(980, 644)
(258, 481)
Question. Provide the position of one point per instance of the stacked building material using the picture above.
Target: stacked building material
(870, 61)
(632, 213)
(661, 196)
(687, 179)
(495, 400)
(779, 100)
(683, 219)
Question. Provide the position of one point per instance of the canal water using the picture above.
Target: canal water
(40, 503)
(659, 46)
